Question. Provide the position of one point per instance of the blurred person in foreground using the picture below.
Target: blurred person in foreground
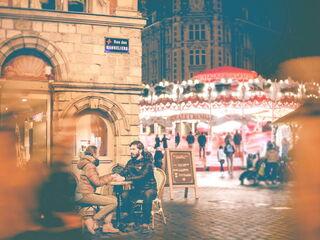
(89, 181)
(40, 198)
(307, 168)
(139, 170)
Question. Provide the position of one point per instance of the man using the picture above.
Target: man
(190, 139)
(157, 141)
(177, 139)
(139, 170)
(202, 140)
(237, 138)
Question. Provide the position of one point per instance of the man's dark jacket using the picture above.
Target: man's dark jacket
(140, 172)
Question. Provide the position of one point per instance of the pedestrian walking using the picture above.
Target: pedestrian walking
(229, 151)
(157, 141)
(202, 140)
(190, 139)
(237, 138)
(164, 141)
(221, 158)
(177, 139)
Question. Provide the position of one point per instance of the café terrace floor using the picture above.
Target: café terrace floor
(225, 210)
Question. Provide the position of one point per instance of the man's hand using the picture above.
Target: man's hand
(117, 178)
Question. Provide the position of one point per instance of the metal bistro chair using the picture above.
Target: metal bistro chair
(157, 208)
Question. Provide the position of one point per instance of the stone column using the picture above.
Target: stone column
(155, 128)
(174, 126)
(35, 4)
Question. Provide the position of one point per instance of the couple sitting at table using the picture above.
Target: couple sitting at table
(139, 170)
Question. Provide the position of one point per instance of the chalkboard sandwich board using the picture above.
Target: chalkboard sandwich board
(181, 170)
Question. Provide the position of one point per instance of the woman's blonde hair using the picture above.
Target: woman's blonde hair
(91, 150)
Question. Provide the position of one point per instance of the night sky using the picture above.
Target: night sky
(305, 23)
(297, 22)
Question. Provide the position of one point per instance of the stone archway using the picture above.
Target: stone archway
(55, 55)
(98, 102)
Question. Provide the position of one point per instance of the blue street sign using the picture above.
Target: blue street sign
(116, 45)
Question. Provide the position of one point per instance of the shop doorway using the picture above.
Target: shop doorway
(25, 104)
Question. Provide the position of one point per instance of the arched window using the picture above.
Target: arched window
(94, 129)
(26, 64)
(77, 5)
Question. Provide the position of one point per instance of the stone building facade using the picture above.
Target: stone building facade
(61, 84)
(185, 37)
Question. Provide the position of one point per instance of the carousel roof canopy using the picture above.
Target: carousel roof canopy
(216, 74)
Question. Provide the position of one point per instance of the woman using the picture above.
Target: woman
(229, 151)
(89, 181)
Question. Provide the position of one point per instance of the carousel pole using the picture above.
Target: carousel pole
(243, 93)
(210, 111)
(179, 96)
(275, 95)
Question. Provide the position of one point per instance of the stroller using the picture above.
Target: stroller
(255, 171)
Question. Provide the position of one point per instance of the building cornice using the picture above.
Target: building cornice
(71, 17)
(97, 87)
(44, 86)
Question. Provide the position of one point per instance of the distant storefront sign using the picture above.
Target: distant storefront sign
(116, 45)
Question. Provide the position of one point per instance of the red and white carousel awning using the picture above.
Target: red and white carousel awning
(227, 72)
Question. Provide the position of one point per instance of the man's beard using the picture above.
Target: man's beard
(136, 156)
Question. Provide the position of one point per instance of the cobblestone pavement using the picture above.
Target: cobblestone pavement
(225, 210)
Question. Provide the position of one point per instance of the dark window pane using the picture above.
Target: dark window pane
(197, 59)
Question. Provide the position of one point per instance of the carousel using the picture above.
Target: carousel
(220, 101)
